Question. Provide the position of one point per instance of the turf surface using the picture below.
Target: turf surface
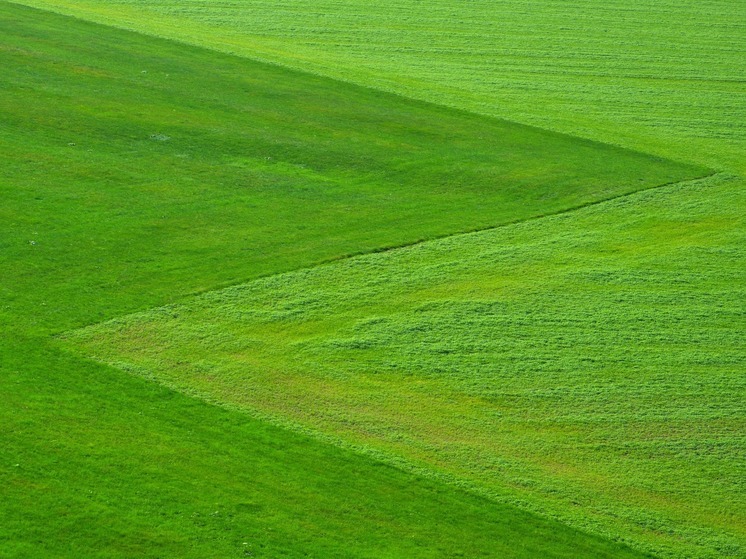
(223, 169)
(97, 463)
(151, 203)
(664, 76)
(589, 365)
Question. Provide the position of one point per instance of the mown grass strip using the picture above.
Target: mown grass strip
(97, 463)
(133, 171)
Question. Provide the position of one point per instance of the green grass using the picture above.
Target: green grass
(134, 171)
(664, 76)
(264, 170)
(588, 365)
(97, 463)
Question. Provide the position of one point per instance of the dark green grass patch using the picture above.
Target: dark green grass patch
(589, 365)
(150, 169)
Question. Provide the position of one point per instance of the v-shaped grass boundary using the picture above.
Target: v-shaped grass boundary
(137, 171)
(531, 361)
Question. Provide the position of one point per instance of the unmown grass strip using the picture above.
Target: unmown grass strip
(588, 365)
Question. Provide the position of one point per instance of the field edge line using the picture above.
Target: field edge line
(308, 72)
(724, 175)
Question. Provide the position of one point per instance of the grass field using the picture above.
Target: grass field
(589, 364)
(664, 76)
(227, 169)
(109, 206)
(554, 387)
(97, 463)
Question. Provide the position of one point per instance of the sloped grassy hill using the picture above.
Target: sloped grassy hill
(621, 362)
(590, 365)
(155, 169)
(664, 76)
(98, 463)
(135, 171)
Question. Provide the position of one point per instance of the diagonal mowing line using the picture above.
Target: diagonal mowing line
(293, 68)
(390, 248)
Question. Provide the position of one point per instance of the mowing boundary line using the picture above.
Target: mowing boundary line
(722, 174)
(390, 459)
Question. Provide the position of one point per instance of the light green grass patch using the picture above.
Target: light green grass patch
(589, 365)
(100, 464)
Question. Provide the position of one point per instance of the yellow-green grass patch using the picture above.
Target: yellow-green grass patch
(589, 366)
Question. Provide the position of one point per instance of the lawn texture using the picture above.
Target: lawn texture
(134, 171)
(589, 365)
(666, 76)
(157, 169)
(97, 463)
